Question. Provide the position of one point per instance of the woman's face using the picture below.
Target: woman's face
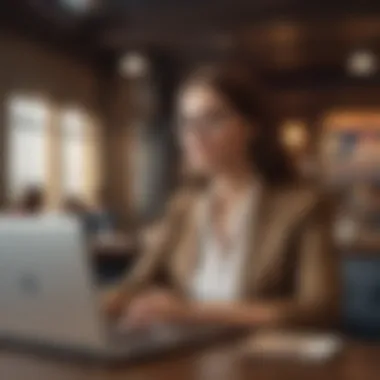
(212, 135)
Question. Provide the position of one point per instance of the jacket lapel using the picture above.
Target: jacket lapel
(266, 243)
(276, 218)
(257, 231)
(266, 237)
(187, 253)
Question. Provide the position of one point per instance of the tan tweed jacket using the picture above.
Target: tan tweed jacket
(291, 256)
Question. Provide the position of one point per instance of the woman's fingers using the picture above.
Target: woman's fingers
(139, 313)
(113, 303)
(155, 306)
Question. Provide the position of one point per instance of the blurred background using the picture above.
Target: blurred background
(86, 109)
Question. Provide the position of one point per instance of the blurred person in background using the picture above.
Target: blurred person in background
(369, 223)
(358, 224)
(253, 246)
(32, 201)
(100, 219)
(75, 206)
(375, 205)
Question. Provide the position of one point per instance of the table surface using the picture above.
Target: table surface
(223, 362)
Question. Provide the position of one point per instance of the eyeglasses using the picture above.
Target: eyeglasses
(206, 123)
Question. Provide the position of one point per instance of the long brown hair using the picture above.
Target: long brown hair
(238, 86)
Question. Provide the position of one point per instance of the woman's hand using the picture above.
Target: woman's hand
(114, 302)
(155, 306)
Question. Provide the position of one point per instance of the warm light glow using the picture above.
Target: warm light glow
(133, 65)
(294, 135)
(78, 5)
(362, 63)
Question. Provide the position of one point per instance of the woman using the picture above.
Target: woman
(250, 249)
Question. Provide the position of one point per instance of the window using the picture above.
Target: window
(27, 144)
(60, 154)
(73, 143)
(79, 158)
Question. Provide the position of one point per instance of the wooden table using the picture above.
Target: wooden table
(358, 362)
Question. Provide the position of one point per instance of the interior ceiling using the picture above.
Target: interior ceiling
(293, 42)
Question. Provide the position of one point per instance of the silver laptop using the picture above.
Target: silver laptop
(48, 296)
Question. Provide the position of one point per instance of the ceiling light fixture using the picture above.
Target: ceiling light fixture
(133, 65)
(362, 63)
(295, 135)
(78, 5)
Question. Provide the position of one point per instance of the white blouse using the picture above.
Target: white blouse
(218, 274)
